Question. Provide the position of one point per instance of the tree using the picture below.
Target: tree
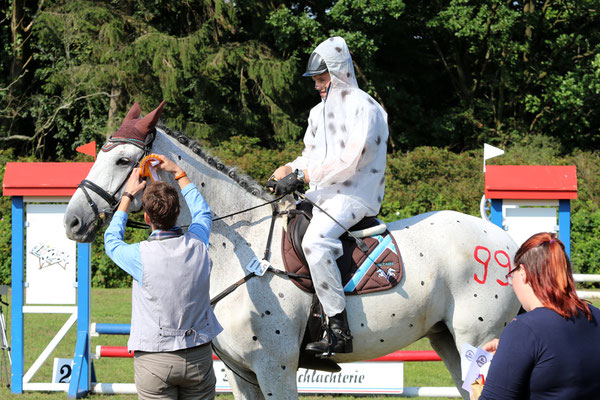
(93, 59)
(521, 68)
(451, 73)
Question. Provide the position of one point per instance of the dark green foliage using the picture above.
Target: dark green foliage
(431, 179)
(104, 272)
(453, 74)
(5, 227)
(585, 239)
(257, 162)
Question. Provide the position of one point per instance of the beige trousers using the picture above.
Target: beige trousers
(182, 374)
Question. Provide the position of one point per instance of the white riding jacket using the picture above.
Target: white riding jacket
(345, 144)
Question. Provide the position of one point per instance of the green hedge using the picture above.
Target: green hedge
(426, 179)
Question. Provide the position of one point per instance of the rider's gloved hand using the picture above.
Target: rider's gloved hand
(271, 183)
(288, 184)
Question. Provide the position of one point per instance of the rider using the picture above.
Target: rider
(343, 162)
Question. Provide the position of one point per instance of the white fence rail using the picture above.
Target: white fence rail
(586, 277)
(587, 294)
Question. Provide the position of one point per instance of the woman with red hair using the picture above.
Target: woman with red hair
(553, 350)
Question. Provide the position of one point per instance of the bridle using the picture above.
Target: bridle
(111, 199)
(113, 202)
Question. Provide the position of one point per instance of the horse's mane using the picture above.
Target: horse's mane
(241, 179)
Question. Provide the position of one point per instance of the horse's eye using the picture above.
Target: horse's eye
(123, 161)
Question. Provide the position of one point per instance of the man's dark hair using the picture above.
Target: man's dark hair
(161, 201)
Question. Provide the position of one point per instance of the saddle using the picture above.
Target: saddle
(379, 269)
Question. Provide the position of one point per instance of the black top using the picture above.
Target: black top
(542, 355)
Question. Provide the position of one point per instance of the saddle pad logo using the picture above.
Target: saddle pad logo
(371, 260)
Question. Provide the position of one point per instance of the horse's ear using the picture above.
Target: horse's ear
(134, 112)
(146, 124)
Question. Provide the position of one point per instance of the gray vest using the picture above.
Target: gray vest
(171, 309)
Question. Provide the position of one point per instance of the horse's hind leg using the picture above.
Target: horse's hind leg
(242, 389)
(443, 343)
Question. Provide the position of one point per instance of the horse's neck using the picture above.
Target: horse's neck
(235, 234)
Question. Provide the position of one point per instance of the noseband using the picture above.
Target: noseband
(111, 199)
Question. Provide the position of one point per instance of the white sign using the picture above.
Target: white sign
(61, 373)
(358, 377)
(522, 222)
(51, 256)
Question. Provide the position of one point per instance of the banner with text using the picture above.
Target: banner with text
(357, 377)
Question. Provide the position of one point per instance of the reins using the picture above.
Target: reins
(142, 225)
(251, 275)
(249, 209)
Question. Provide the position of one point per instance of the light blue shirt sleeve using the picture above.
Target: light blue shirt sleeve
(126, 256)
(201, 214)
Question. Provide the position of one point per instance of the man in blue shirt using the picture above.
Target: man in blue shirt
(172, 323)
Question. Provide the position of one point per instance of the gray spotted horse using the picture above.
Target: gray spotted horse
(453, 289)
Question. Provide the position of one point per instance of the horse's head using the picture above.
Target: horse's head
(94, 202)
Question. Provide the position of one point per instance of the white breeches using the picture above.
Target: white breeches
(322, 247)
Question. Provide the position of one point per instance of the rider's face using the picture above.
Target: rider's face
(322, 82)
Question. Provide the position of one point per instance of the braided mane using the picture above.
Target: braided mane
(243, 180)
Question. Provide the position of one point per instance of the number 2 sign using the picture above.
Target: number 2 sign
(62, 370)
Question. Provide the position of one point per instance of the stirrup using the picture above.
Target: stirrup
(331, 344)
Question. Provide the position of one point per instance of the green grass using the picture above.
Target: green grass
(114, 306)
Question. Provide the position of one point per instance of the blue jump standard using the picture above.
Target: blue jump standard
(113, 329)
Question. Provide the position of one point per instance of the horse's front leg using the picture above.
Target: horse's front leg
(276, 372)
(243, 389)
(272, 375)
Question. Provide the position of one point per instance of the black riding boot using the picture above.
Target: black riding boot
(337, 338)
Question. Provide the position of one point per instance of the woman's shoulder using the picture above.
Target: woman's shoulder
(542, 318)
(537, 317)
(595, 312)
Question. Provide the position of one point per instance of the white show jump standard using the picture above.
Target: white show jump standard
(453, 290)
(45, 183)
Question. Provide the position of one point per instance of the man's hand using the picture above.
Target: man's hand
(271, 183)
(168, 165)
(135, 183)
(289, 184)
(281, 172)
(179, 174)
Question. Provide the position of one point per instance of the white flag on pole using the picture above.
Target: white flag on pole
(490, 152)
